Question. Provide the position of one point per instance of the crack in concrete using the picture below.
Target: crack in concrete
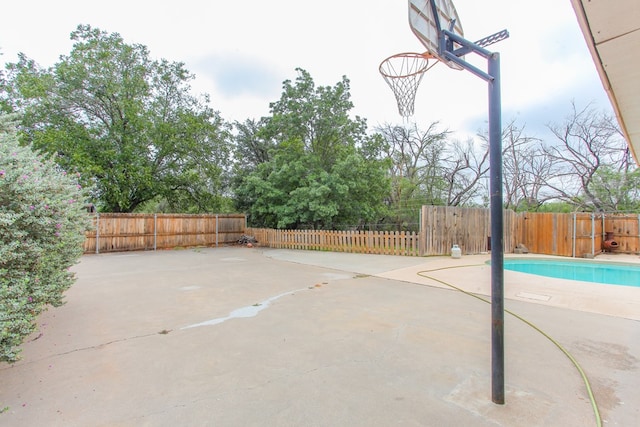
(93, 347)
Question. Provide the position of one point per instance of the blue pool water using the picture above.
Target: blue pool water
(612, 274)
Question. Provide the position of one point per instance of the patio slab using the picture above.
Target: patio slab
(257, 337)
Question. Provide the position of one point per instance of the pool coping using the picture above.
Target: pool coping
(612, 300)
(537, 266)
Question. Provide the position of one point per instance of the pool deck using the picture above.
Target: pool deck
(472, 274)
(612, 300)
(262, 337)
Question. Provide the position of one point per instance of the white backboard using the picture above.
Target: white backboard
(424, 24)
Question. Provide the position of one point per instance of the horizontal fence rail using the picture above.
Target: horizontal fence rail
(133, 232)
(362, 242)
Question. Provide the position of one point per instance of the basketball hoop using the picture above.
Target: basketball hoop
(403, 73)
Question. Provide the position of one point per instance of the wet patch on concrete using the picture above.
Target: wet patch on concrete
(243, 312)
(604, 391)
(615, 356)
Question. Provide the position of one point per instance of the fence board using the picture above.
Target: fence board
(587, 236)
(131, 232)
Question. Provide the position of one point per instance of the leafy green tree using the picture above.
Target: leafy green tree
(551, 206)
(42, 225)
(616, 190)
(318, 117)
(126, 121)
(4, 104)
(318, 168)
(252, 146)
(251, 149)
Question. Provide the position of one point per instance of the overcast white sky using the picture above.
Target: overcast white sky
(241, 52)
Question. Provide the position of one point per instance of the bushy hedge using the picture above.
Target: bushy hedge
(42, 225)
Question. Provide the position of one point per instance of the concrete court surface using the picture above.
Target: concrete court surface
(260, 337)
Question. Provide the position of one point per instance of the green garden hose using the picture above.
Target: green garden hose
(556, 343)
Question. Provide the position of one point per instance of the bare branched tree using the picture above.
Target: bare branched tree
(526, 167)
(588, 143)
(463, 170)
(415, 163)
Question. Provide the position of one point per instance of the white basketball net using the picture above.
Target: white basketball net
(403, 73)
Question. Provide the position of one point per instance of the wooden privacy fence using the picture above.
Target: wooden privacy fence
(625, 229)
(132, 232)
(363, 242)
(562, 234)
(469, 228)
(579, 234)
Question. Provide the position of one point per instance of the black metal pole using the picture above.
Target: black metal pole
(495, 190)
(497, 240)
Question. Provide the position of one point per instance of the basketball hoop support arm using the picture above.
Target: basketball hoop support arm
(492, 77)
(470, 47)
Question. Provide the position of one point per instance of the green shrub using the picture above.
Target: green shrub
(42, 225)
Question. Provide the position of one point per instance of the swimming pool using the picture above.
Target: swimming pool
(612, 274)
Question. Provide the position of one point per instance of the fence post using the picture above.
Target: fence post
(422, 238)
(575, 227)
(603, 225)
(217, 229)
(155, 232)
(97, 232)
(638, 235)
(593, 234)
